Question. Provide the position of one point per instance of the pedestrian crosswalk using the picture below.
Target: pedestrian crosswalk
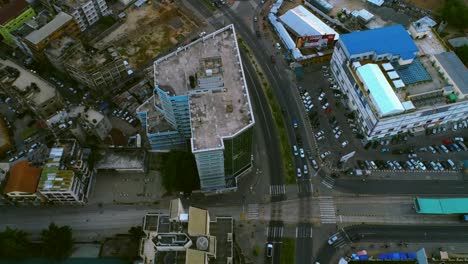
(327, 210)
(302, 232)
(328, 181)
(338, 240)
(274, 232)
(305, 187)
(277, 189)
(252, 211)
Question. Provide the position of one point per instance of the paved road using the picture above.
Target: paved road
(374, 233)
(303, 243)
(402, 187)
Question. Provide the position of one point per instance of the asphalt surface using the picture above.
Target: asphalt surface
(402, 187)
(374, 233)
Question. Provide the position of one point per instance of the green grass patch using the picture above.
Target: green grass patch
(275, 108)
(209, 5)
(287, 252)
(28, 132)
(281, 128)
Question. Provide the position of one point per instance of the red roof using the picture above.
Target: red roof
(11, 10)
(23, 178)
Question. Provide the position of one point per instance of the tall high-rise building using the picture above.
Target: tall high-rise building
(201, 97)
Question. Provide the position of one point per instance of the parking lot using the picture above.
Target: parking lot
(441, 149)
(127, 188)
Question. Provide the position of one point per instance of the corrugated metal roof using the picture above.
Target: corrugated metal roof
(304, 23)
(455, 69)
(458, 42)
(442, 206)
(376, 2)
(382, 94)
(392, 39)
(38, 35)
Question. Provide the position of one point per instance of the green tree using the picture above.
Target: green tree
(57, 241)
(462, 53)
(455, 12)
(179, 171)
(14, 243)
(136, 232)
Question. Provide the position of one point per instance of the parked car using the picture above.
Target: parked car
(269, 250)
(301, 152)
(314, 164)
(299, 174)
(306, 169)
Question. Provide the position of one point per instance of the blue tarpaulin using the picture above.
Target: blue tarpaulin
(363, 257)
(411, 255)
(103, 106)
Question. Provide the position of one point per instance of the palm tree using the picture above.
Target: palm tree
(14, 243)
(57, 241)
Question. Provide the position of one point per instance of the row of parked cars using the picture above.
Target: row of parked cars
(125, 115)
(449, 145)
(412, 164)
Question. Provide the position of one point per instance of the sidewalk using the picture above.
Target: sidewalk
(410, 175)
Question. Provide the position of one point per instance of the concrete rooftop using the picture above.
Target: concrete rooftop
(26, 78)
(214, 115)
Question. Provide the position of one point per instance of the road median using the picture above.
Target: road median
(277, 116)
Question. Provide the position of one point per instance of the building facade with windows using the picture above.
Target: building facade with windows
(393, 87)
(85, 12)
(201, 99)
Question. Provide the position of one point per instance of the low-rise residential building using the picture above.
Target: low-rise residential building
(22, 182)
(81, 121)
(30, 89)
(59, 50)
(13, 14)
(99, 70)
(189, 235)
(5, 140)
(85, 12)
(4, 170)
(123, 160)
(61, 25)
(67, 175)
(396, 84)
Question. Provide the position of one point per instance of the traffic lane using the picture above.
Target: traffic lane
(412, 187)
(276, 259)
(408, 233)
(391, 233)
(303, 250)
(265, 122)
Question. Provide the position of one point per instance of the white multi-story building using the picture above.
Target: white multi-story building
(85, 12)
(396, 86)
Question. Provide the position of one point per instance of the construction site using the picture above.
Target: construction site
(149, 30)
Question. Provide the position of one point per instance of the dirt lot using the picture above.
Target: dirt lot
(430, 5)
(148, 31)
(119, 246)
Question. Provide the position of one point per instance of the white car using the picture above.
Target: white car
(299, 174)
(321, 96)
(301, 152)
(325, 154)
(278, 46)
(202, 34)
(306, 169)
(338, 134)
(314, 164)
(344, 143)
(325, 106)
(319, 134)
(332, 240)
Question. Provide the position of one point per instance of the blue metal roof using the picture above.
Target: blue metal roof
(392, 39)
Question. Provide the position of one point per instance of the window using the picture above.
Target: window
(391, 129)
